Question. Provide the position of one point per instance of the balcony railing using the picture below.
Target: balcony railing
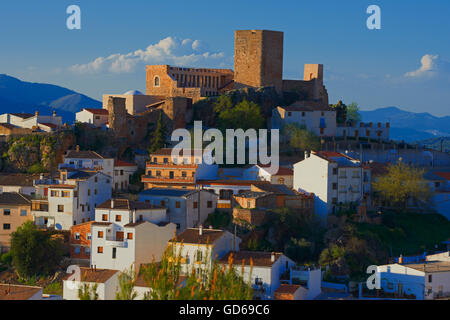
(152, 177)
(116, 243)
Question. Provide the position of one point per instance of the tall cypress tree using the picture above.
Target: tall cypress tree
(159, 135)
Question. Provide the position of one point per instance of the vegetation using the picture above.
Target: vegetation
(86, 292)
(127, 280)
(299, 138)
(34, 252)
(244, 115)
(158, 136)
(210, 283)
(54, 288)
(218, 219)
(352, 112)
(400, 185)
(89, 138)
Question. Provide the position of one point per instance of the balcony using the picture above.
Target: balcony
(181, 179)
(116, 243)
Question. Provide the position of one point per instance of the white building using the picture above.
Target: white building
(199, 247)
(69, 200)
(94, 117)
(107, 282)
(186, 208)
(426, 280)
(260, 172)
(18, 182)
(30, 121)
(379, 131)
(320, 120)
(127, 234)
(265, 275)
(123, 171)
(334, 178)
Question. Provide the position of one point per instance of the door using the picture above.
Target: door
(119, 236)
(171, 174)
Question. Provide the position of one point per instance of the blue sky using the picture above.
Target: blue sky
(406, 63)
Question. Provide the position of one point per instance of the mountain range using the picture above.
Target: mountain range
(28, 97)
(409, 126)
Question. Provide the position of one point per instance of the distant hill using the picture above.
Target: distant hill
(437, 143)
(409, 126)
(21, 96)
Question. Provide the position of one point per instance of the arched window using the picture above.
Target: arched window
(281, 181)
(156, 81)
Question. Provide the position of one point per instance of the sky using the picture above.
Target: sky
(406, 63)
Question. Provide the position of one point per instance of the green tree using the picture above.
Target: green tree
(401, 184)
(86, 292)
(300, 138)
(213, 282)
(244, 115)
(159, 135)
(127, 280)
(223, 103)
(34, 252)
(341, 112)
(353, 113)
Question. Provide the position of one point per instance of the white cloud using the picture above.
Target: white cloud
(431, 65)
(180, 52)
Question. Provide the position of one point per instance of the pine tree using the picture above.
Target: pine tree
(159, 135)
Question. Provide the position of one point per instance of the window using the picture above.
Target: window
(199, 256)
(121, 172)
(77, 250)
(6, 212)
(163, 203)
(430, 278)
(249, 204)
(88, 236)
(6, 226)
(209, 204)
(87, 250)
(166, 160)
(303, 114)
(54, 193)
(114, 253)
(89, 192)
(289, 114)
(177, 204)
(65, 194)
(334, 200)
(158, 173)
(100, 234)
(334, 186)
(95, 179)
(156, 82)
(195, 204)
(281, 181)
(104, 217)
(77, 236)
(99, 249)
(118, 218)
(183, 174)
(335, 171)
(130, 236)
(60, 208)
(23, 212)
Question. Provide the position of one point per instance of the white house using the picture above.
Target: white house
(426, 280)
(378, 131)
(76, 159)
(318, 119)
(30, 121)
(129, 233)
(18, 182)
(123, 171)
(199, 247)
(94, 117)
(334, 178)
(260, 172)
(69, 200)
(262, 269)
(107, 282)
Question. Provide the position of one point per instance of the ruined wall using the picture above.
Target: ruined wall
(258, 58)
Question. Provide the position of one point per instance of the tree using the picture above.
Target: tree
(223, 103)
(401, 184)
(300, 138)
(352, 112)
(244, 115)
(341, 112)
(86, 292)
(213, 282)
(127, 280)
(34, 252)
(159, 135)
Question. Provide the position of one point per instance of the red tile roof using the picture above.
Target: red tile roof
(17, 292)
(97, 111)
(94, 275)
(258, 258)
(286, 291)
(445, 175)
(120, 163)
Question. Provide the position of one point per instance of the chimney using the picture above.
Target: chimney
(77, 148)
(200, 230)
(36, 113)
(210, 227)
(400, 259)
(112, 203)
(54, 113)
(306, 154)
(272, 257)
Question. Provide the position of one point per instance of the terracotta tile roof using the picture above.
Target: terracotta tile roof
(125, 204)
(286, 291)
(97, 111)
(120, 163)
(18, 179)
(14, 198)
(50, 125)
(83, 155)
(94, 275)
(192, 236)
(445, 175)
(259, 258)
(430, 266)
(17, 292)
(99, 223)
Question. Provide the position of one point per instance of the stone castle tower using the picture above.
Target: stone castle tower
(258, 58)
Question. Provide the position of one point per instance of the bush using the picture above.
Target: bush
(218, 219)
(6, 258)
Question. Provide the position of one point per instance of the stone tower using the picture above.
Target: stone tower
(258, 58)
(117, 116)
